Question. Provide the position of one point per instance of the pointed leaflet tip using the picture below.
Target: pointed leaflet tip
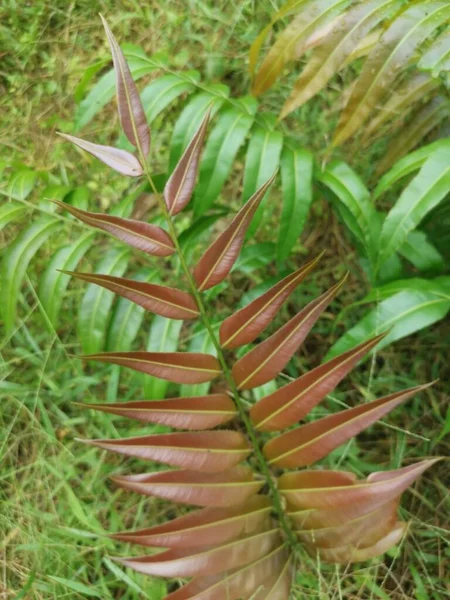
(199, 451)
(309, 443)
(338, 490)
(138, 234)
(131, 112)
(179, 188)
(246, 324)
(82, 440)
(179, 367)
(206, 527)
(204, 562)
(219, 258)
(224, 489)
(269, 358)
(291, 403)
(192, 413)
(161, 300)
(120, 160)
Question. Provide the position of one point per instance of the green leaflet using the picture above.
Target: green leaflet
(437, 57)
(164, 90)
(392, 54)
(407, 165)
(88, 75)
(191, 117)
(401, 102)
(127, 317)
(164, 337)
(254, 256)
(296, 179)
(331, 54)
(191, 236)
(124, 326)
(105, 88)
(21, 184)
(79, 197)
(15, 263)
(315, 15)
(52, 192)
(200, 342)
(264, 390)
(421, 253)
(423, 122)
(258, 290)
(391, 270)
(255, 49)
(262, 160)
(93, 315)
(353, 203)
(437, 226)
(125, 207)
(53, 284)
(224, 141)
(424, 192)
(403, 313)
(11, 211)
(389, 289)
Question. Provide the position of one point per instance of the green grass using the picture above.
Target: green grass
(57, 504)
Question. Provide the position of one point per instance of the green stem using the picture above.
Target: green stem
(265, 470)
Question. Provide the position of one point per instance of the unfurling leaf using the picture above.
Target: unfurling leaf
(179, 367)
(131, 111)
(246, 324)
(143, 236)
(217, 261)
(159, 299)
(269, 358)
(206, 527)
(201, 412)
(311, 442)
(120, 160)
(205, 451)
(225, 489)
(179, 188)
(295, 400)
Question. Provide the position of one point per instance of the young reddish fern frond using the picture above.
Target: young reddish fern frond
(240, 543)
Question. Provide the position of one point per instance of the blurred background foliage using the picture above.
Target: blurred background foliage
(56, 499)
